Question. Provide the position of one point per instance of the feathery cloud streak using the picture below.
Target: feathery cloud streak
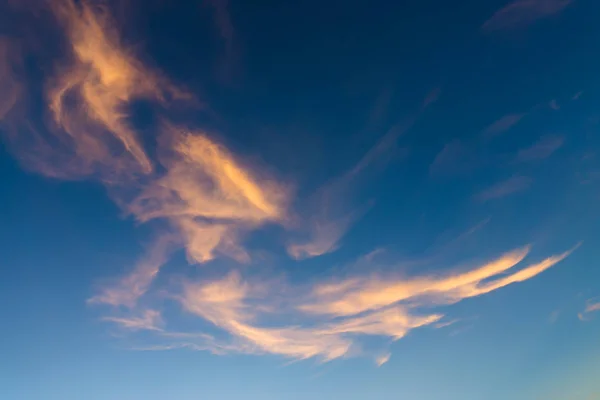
(504, 188)
(335, 316)
(592, 305)
(521, 13)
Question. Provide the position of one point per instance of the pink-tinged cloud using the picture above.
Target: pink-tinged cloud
(522, 13)
(383, 359)
(591, 306)
(223, 21)
(453, 158)
(505, 188)
(149, 320)
(540, 150)
(127, 290)
(502, 125)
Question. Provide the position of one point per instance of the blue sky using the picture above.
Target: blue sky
(292, 200)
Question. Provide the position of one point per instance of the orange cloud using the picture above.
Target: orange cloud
(207, 198)
(90, 95)
(339, 314)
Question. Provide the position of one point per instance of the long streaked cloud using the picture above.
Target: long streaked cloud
(329, 320)
(541, 149)
(10, 89)
(331, 214)
(502, 125)
(453, 157)
(505, 188)
(522, 13)
(148, 320)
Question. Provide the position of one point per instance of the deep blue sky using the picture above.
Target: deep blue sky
(299, 200)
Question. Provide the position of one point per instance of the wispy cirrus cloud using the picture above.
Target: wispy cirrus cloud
(331, 212)
(522, 13)
(332, 318)
(454, 157)
(541, 149)
(502, 125)
(148, 320)
(505, 188)
(591, 305)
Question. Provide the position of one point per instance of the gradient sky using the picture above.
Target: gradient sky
(228, 199)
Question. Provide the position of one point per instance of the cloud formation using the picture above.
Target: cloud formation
(207, 198)
(331, 318)
(541, 149)
(505, 188)
(502, 125)
(202, 200)
(331, 215)
(591, 305)
(522, 13)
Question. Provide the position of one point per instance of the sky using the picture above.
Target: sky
(229, 199)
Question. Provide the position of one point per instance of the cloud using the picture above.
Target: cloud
(91, 90)
(10, 88)
(522, 13)
(203, 199)
(209, 201)
(223, 21)
(194, 186)
(360, 295)
(554, 316)
(504, 188)
(383, 359)
(148, 320)
(502, 125)
(540, 150)
(452, 158)
(330, 320)
(592, 305)
(331, 215)
(127, 290)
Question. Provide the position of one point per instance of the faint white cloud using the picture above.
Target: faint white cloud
(522, 13)
(383, 359)
(454, 157)
(502, 125)
(541, 149)
(554, 316)
(147, 320)
(505, 188)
